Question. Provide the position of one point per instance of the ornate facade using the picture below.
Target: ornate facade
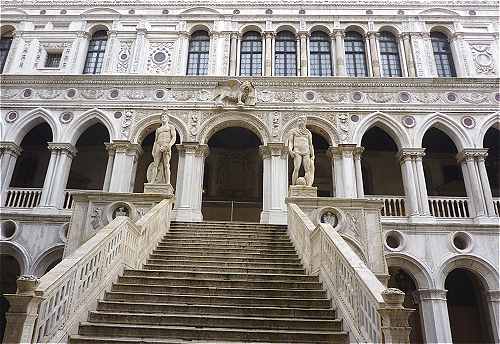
(402, 99)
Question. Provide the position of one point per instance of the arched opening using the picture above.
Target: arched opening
(443, 175)
(9, 273)
(380, 162)
(467, 308)
(199, 46)
(443, 56)
(232, 183)
(320, 54)
(147, 158)
(91, 153)
(31, 165)
(95, 52)
(355, 54)
(323, 179)
(251, 54)
(285, 54)
(404, 281)
(492, 162)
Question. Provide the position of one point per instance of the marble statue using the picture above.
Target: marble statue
(234, 91)
(159, 169)
(300, 148)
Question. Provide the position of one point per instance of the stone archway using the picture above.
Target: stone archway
(232, 183)
(10, 270)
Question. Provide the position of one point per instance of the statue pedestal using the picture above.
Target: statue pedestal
(165, 189)
(302, 191)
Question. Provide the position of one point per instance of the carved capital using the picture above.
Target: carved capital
(431, 295)
(338, 33)
(124, 147)
(411, 153)
(82, 34)
(11, 148)
(303, 34)
(193, 148)
(273, 149)
(235, 35)
(345, 150)
(66, 148)
(472, 154)
(493, 295)
(269, 34)
(184, 34)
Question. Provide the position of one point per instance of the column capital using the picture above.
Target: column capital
(472, 153)
(199, 150)
(269, 34)
(431, 294)
(303, 34)
(273, 149)
(216, 34)
(338, 32)
(234, 34)
(345, 149)
(493, 295)
(112, 33)
(411, 153)
(142, 31)
(64, 147)
(184, 34)
(373, 34)
(82, 34)
(10, 147)
(123, 146)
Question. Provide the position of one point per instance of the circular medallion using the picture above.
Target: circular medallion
(70, 93)
(117, 114)
(468, 122)
(404, 97)
(131, 12)
(159, 94)
(123, 56)
(66, 117)
(355, 118)
(357, 96)
(11, 116)
(329, 217)
(236, 12)
(114, 94)
(309, 95)
(497, 97)
(159, 57)
(165, 12)
(451, 97)
(27, 93)
(409, 121)
(63, 12)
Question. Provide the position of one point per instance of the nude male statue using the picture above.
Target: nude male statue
(159, 171)
(301, 150)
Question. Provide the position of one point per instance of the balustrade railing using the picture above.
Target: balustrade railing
(394, 206)
(496, 205)
(449, 207)
(22, 197)
(72, 288)
(366, 306)
(68, 198)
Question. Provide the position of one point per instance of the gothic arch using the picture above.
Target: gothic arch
(45, 259)
(478, 266)
(30, 120)
(217, 123)
(87, 119)
(19, 253)
(319, 125)
(493, 121)
(419, 271)
(146, 125)
(441, 121)
(386, 123)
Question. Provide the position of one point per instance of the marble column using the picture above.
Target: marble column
(303, 37)
(183, 43)
(410, 182)
(347, 173)
(122, 173)
(275, 183)
(476, 182)
(109, 166)
(358, 151)
(139, 45)
(339, 53)
(233, 58)
(410, 63)
(9, 152)
(189, 186)
(57, 174)
(493, 300)
(269, 53)
(422, 195)
(434, 313)
(373, 39)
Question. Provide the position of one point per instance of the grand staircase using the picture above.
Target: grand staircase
(216, 282)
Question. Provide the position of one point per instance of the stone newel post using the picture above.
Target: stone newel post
(23, 311)
(395, 317)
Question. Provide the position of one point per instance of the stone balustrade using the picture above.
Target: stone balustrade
(50, 311)
(372, 313)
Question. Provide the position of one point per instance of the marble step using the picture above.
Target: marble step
(245, 290)
(222, 263)
(132, 306)
(270, 269)
(217, 334)
(225, 249)
(225, 241)
(227, 297)
(222, 258)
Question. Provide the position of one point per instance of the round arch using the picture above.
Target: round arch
(93, 28)
(30, 120)
(416, 269)
(321, 28)
(476, 265)
(200, 27)
(147, 125)
(387, 124)
(286, 27)
(318, 125)
(395, 30)
(445, 30)
(21, 255)
(251, 27)
(86, 120)
(242, 120)
(45, 259)
(440, 121)
(361, 29)
(493, 121)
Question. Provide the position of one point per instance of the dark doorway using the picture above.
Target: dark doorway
(467, 308)
(232, 181)
(9, 273)
(492, 142)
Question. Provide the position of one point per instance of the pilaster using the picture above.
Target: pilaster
(493, 300)
(233, 59)
(303, 37)
(183, 43)
(408, 53)
(80, 47)
(269, 35)
(373, 39)
(140, 42)
(339, 53)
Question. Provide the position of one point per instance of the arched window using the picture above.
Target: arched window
(389, 55)
(355, 55)
(199, 47)
(285, 60)
(320, 54)
(95, 52)
(442, 55)
(5, 43)
(251, 54)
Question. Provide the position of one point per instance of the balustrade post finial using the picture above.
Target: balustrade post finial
(395, 317)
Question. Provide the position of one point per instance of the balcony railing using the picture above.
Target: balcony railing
(23, 197)
(449, 207)
(394, 206)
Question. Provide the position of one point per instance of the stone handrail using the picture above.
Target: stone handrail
(64, 295)
(372, 312)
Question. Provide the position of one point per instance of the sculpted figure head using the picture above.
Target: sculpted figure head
(302, 122)
(165, 117)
